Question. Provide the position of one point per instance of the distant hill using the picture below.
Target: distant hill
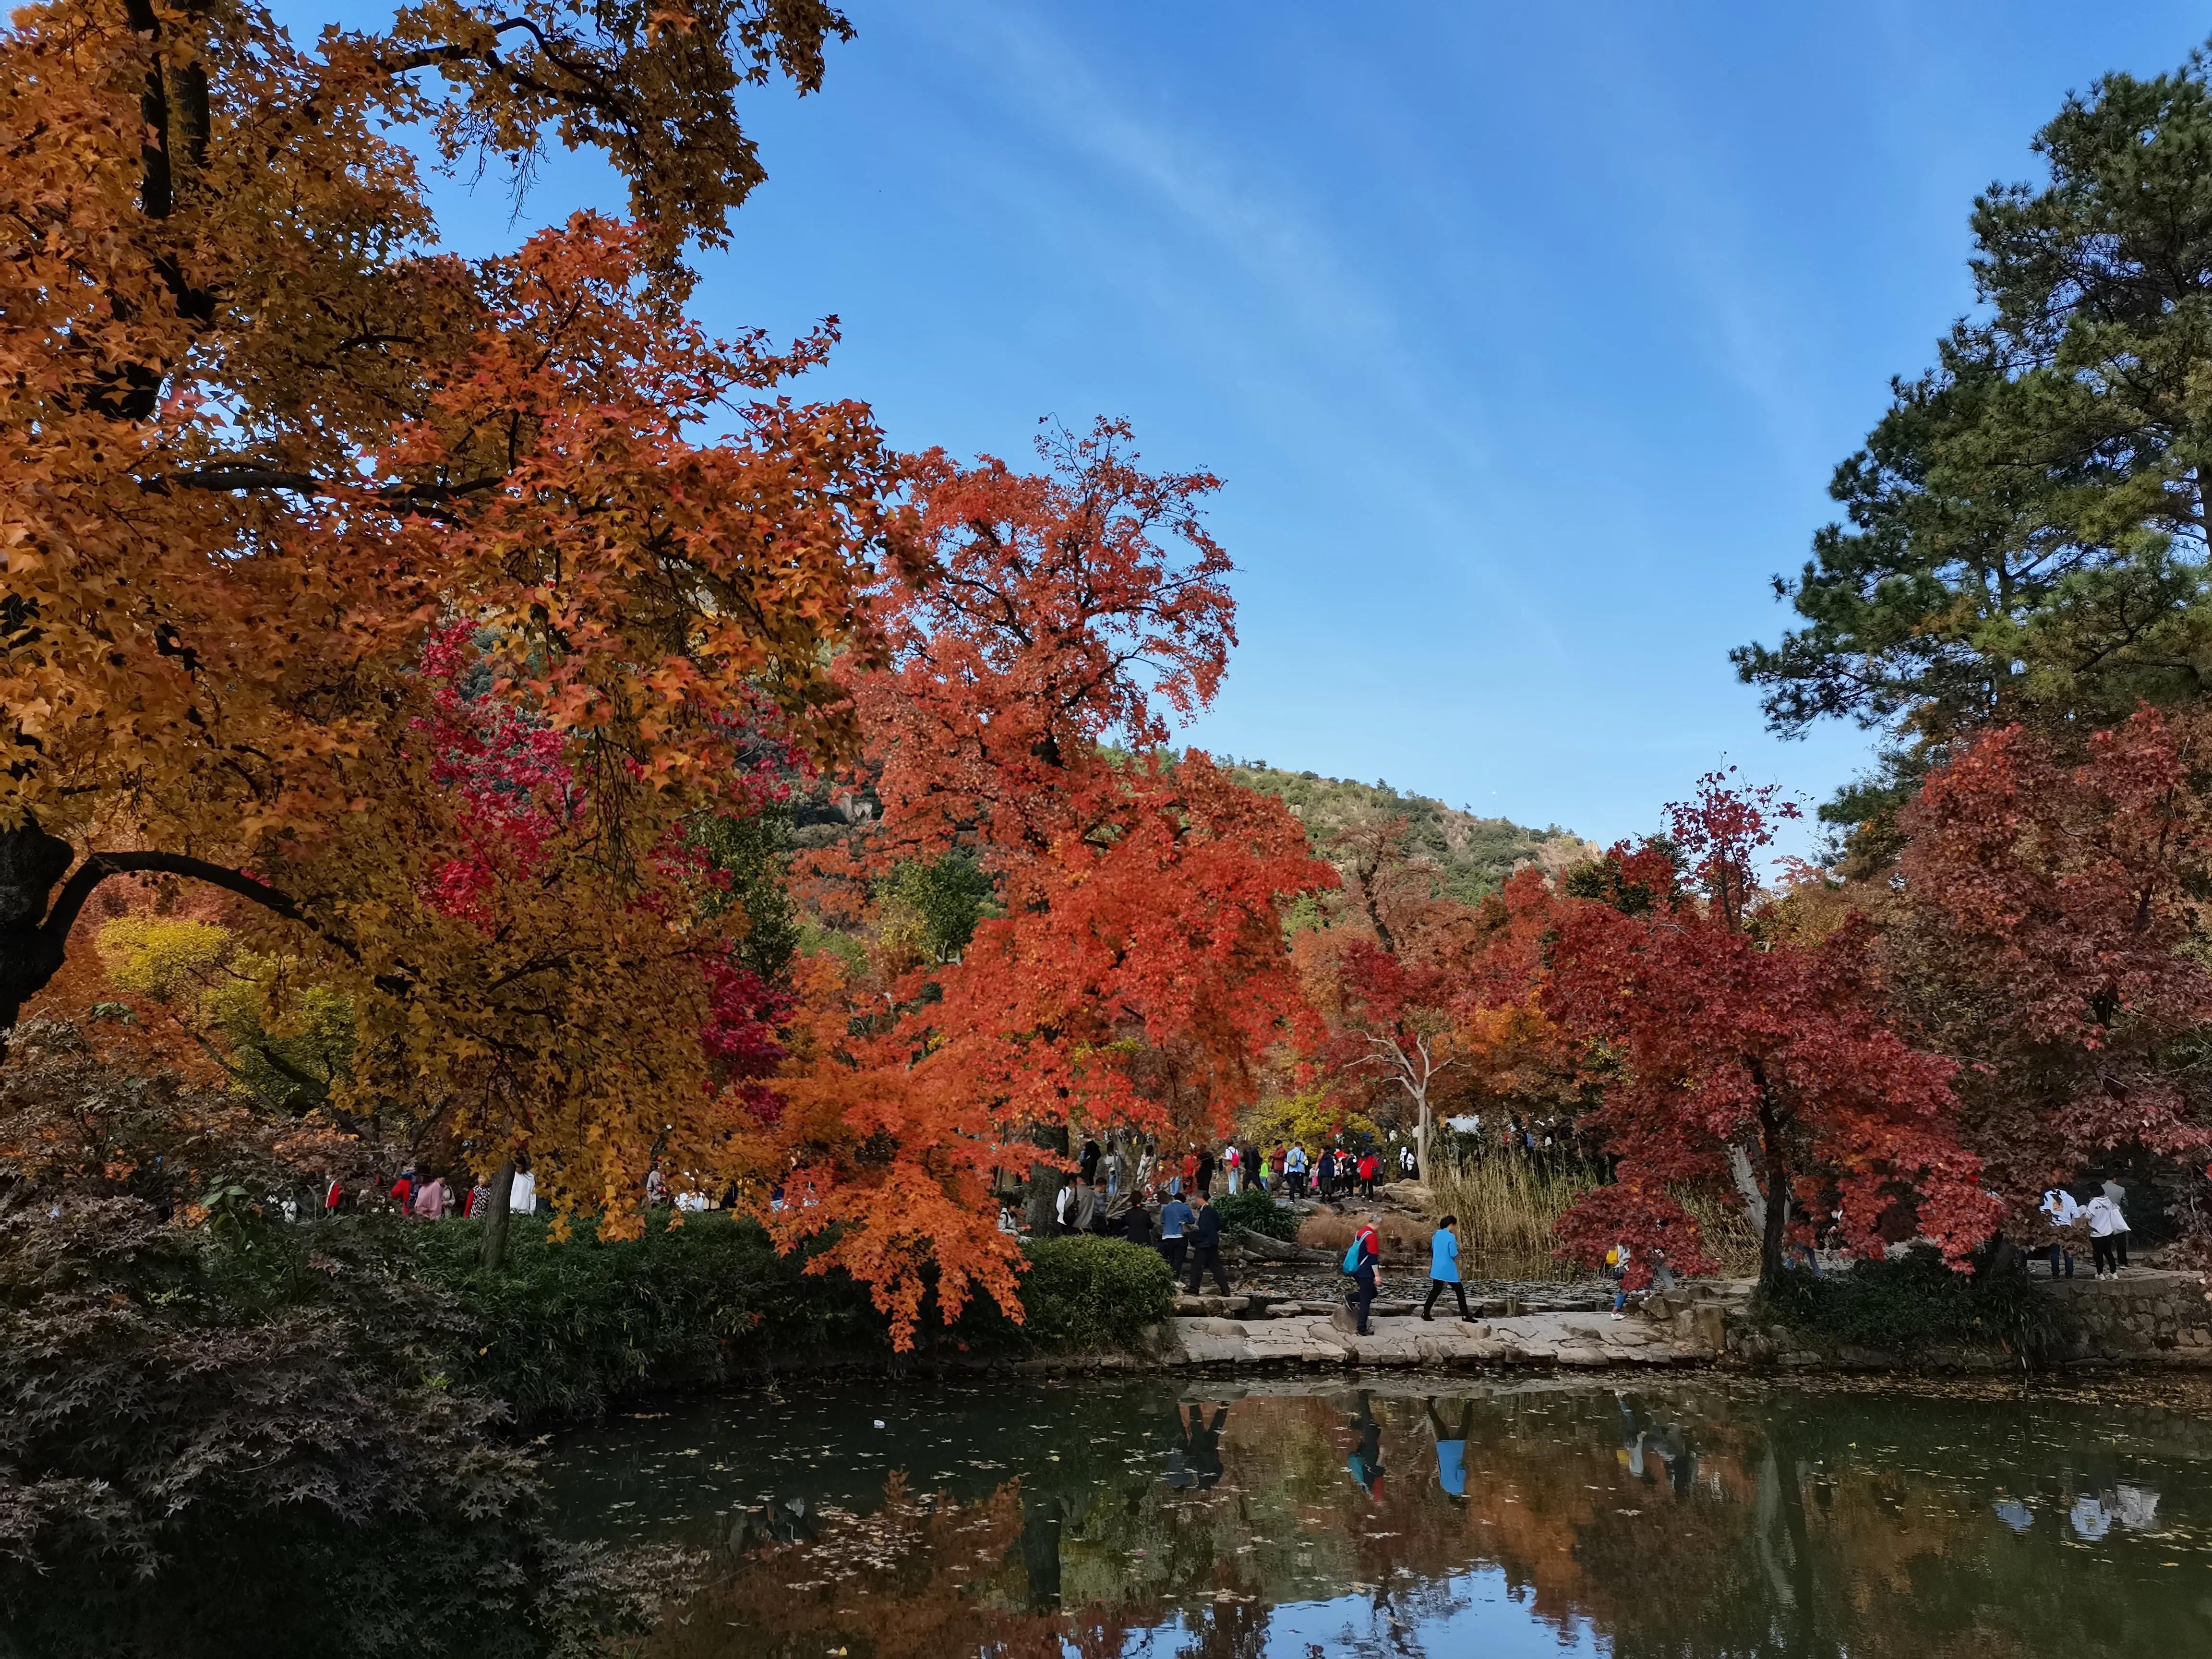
(1474, 855)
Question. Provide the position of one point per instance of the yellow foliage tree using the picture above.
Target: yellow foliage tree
(267, 449)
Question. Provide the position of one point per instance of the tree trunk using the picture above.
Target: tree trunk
(491, 1249)
(30, 862)
(1421, 1142)
(1778, 1193)
(1045, 1181)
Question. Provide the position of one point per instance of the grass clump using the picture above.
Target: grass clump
(1508, 1207)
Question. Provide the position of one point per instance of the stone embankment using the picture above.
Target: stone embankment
(1685, 1329)
(2146, 1318)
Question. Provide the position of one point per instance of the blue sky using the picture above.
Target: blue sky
(1525, 339)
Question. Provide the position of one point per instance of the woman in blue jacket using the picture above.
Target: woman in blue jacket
(1444, 1266)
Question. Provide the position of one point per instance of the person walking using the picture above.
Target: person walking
(1360, 1260)
(2108, 1233)
(1175, 1217)
(1202, 1173)
(1205, 1245)
(2062, 1210)
(1294, 1166)
(1275, 1172)
(1088, 1166)
(1444, 1266)
(1110, 1167)
(1326, 1174)
(1233, 1161)
(2119, 1195)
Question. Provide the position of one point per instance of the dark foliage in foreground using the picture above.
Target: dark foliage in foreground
(193, 1424)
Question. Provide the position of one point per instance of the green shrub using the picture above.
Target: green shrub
(1252, 1212)
(565, 1330)
(1908, 1304)
(1088, 1295)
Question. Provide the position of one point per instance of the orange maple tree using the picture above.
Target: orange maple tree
(1137, 974)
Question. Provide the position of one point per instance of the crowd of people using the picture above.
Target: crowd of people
(1286, 1172)
(1168, 1204)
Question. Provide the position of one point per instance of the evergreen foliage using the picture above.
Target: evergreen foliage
(2025, 532)
(1252, 1211)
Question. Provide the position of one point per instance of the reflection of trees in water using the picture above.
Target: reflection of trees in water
(917, 1579)
(1702, 1525)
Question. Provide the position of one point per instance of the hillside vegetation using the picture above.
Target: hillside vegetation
(1475, 854)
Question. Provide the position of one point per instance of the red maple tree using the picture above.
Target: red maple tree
(2048, 904)
(1714, 1037)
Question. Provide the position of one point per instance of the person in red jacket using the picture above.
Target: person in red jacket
(1369, 1163)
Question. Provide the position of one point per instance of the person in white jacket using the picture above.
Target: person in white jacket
(2108, 1235)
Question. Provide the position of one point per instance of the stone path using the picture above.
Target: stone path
(1581, 1340)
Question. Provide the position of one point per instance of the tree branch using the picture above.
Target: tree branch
(98, 866)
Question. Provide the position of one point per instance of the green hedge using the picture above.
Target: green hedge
(1088, 1295)
(566, 1329)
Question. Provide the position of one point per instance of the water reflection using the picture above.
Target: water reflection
(1422, 1517)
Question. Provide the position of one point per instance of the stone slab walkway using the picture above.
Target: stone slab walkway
(1577, 1340)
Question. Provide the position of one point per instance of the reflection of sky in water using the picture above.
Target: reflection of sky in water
(1690, 1518)
(1481, 1614)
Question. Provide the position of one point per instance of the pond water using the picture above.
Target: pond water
(1414, 1516)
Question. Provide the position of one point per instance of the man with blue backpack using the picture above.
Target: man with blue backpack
(1359, 1261)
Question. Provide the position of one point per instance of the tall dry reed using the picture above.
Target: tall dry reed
(1509, 1211)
